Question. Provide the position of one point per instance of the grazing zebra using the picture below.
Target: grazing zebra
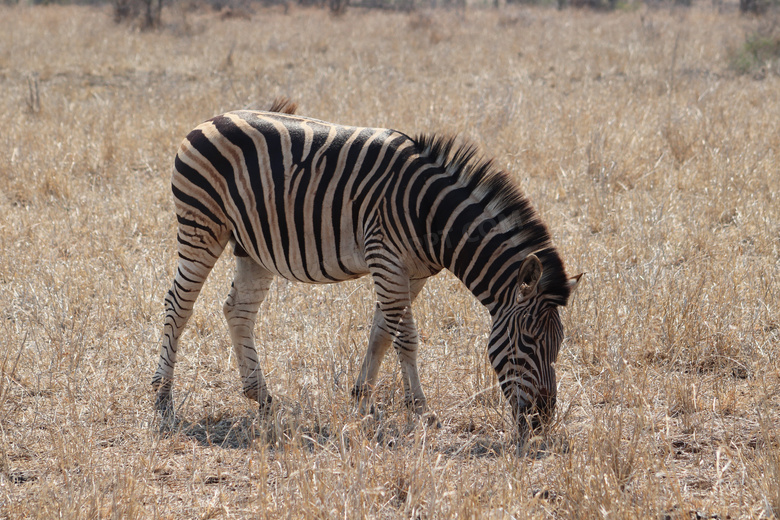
(316, 202)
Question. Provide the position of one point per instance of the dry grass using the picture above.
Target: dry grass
(654, 164)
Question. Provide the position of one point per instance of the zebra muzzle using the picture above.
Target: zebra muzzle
(533, 417)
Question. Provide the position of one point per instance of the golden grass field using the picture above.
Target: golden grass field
(655, 165)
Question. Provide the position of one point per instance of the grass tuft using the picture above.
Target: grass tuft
(760, 52)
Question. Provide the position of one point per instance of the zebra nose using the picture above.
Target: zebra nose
(546, 401)
(533, 416)
(545, 405)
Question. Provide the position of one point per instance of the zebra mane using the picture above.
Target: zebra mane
(283, 105)
(502, 197)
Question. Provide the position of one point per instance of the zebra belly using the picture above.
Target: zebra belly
(302, 263)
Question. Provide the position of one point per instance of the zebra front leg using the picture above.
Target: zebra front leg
(406, 343)
(406, 346)
(379, 342)
(250, 286)
(395, 293)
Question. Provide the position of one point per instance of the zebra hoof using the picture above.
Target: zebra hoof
(165, 410)
(431, 420)
(265, 407)
(365, 408)
(417, 406)
(361, 391)
(428, 419)
(164, 404)
(534, 448)
(362, 394)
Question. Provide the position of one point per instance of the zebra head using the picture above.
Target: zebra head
(524, 345)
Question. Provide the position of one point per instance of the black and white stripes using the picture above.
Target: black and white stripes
(316, 202)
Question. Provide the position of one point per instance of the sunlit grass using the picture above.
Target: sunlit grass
(653, 162)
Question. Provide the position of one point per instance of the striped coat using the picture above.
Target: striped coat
(316, 202)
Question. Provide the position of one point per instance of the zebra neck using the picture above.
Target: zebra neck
(480, 242)
(476, 221)
(487, 262)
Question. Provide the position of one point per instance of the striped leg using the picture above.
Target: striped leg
(249, 289)
(195, 264)
(404, 332)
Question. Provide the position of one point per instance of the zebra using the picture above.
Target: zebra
(317, 202)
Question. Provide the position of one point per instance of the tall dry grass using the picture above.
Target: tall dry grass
(654, 164)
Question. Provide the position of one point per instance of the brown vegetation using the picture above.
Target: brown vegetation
(654, 163)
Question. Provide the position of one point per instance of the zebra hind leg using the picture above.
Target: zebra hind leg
(179, 302)
(248, 291)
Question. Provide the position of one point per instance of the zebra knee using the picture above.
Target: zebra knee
(228, 306)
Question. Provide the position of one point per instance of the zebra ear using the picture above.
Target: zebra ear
(530, 273)
(573, 282)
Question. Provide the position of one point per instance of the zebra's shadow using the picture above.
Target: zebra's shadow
(245, 431)
(214, 431)
(485, 447)
(479, 447)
